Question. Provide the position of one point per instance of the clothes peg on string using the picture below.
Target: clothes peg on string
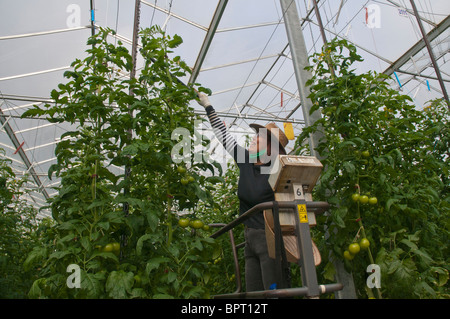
(396, 76)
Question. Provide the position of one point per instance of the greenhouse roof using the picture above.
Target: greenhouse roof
(239, 49)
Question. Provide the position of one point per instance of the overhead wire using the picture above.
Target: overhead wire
(259, 57)
(117, 20)
(272, 65)
(424, 12)
(279, 68)
(313, 48)
(153, 14)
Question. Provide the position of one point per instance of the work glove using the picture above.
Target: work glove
(203, 100)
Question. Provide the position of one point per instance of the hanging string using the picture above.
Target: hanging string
(153, 14)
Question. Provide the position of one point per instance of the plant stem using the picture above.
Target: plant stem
(169, 221)
(363, 232)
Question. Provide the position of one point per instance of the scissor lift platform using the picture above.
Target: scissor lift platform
(290, 215)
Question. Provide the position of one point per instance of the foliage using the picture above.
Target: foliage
(226, 210)
(376, 143)
(19, 233)
(125, 123)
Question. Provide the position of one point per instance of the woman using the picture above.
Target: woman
(253, 189)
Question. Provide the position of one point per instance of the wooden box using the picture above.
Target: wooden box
(294, 169)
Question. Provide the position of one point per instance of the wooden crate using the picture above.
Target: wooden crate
(294, 169)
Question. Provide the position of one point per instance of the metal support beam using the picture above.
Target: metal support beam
(430, 52)
(174, 15)
(299, 55)
(300, 60)
(22, 154)
(208, 39)
(433, 34)
(411, 12)
(13, 77)
(422, 75)
(254, 117)
(34, 34)
(282, 54)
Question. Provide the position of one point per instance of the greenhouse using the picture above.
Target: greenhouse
(139, 155)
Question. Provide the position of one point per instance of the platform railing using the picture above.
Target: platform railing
(311, 288)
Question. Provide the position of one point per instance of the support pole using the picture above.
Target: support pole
(324, 37)
(134, 46)
(430, 52)
(306, 262)
(299, 55)
(92, 18)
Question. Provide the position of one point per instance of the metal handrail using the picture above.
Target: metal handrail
(234, 248)
(314, 207)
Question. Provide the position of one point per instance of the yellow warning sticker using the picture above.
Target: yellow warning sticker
(302, 213)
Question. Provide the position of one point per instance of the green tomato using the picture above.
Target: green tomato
(108, 248)
(365, 153)
(355, 197)
(354, 248)
(184, 181)
(364, 199)
(197, 224)
(364, 243)
(183, 222)
(116, 247)
(137, 281)
(373, 200)
(181, 169)
(348, 256)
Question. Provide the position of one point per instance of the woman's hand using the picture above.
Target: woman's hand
(203, 100)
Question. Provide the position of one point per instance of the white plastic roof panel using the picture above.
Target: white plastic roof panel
(247, 65)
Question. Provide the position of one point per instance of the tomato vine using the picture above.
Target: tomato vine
(155, 258)
(376, 143)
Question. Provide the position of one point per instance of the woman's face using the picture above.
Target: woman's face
(257, 144)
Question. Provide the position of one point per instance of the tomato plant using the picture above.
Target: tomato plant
(227, 209)
(19, 231)
(386, 176)
(120, 191)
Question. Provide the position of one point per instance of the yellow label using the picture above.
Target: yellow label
(302, 213)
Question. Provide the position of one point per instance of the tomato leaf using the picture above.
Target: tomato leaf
(154, 263)
(92, 284)
(119, 284)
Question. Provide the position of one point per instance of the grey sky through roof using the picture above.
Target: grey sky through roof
(248, 64)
